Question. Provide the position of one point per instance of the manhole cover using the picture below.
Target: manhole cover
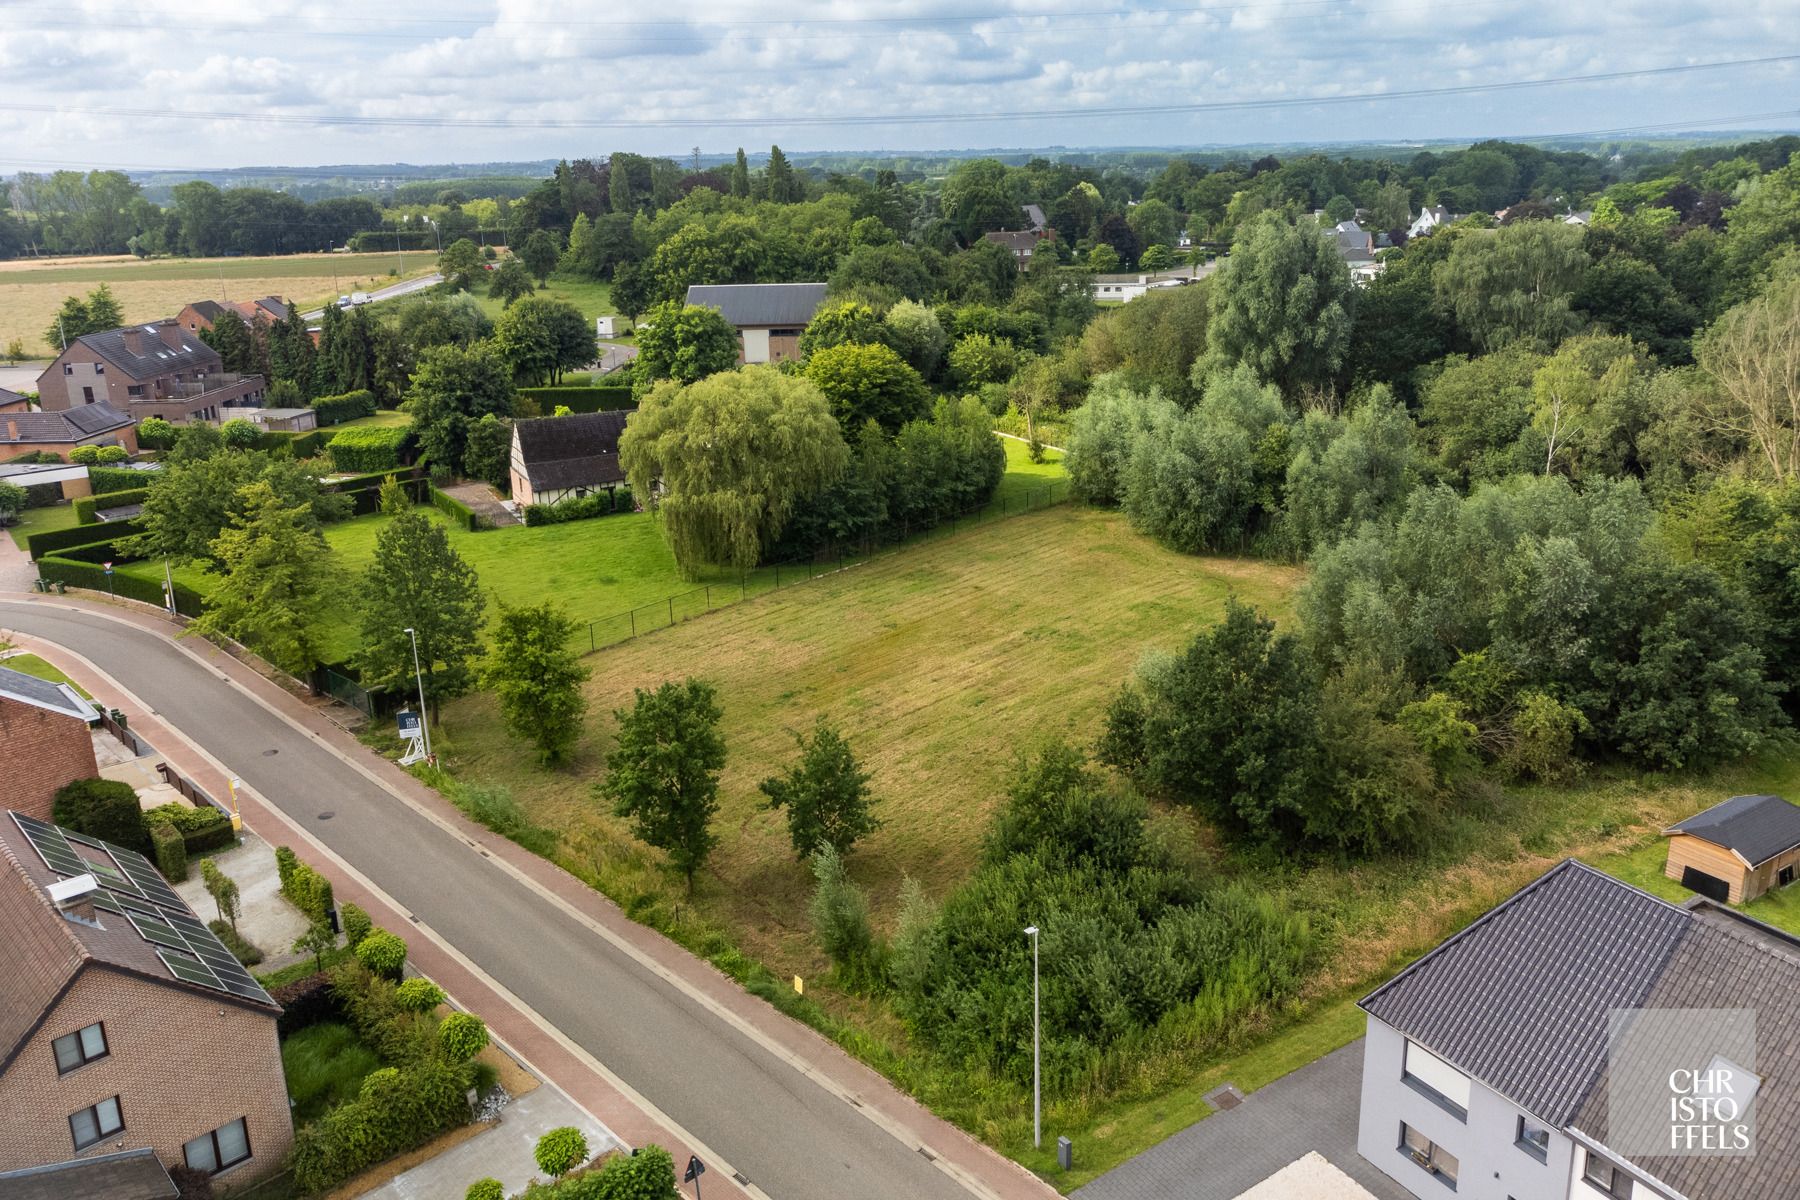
(327, 815)
(1224, 1097)
(270, 753)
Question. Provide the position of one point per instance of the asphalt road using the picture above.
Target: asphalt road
(392, 291)
(789, 1136)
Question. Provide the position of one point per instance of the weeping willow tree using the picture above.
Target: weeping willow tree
(733, 454)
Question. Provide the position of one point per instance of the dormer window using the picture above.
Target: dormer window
(68, 368)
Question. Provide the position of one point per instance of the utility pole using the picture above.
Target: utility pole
(1037, 1090)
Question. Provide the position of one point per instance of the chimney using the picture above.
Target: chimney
(170, 333)
(74, 898)
(12, 430)
(134, 342)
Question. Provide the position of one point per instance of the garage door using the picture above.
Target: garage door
(1710, 886)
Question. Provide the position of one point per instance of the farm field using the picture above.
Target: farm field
(31, 290)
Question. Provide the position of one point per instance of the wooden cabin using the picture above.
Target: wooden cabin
(1736, 850)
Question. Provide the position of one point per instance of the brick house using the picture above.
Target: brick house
(96, 424)
(769, 317)
(44, 740)
(202, 313)
(124, 1023)
(153, 370)
(1023, 244)
(13, 402)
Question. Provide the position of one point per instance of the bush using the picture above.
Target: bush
(383, 953)
(190, 1184)
(114, 479)
(371, 1005)
(87, 506)
(596, 504)
(418, 995)
(456, 510)
(241, 433)
(485, 1189)
(462, 1035)
(369, 448)
(398, 1109)
(357, 925)
(171, 851)
(306, 1001)
(309, 891)
(85, 455)
(840, 915)
(104, 809)
(201, 829)
(240, 947)
(154, 433)
(605, 398)
(335, 410)
(561, 1151)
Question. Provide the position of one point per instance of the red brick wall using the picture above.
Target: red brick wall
(39, 752)
(181, 1063)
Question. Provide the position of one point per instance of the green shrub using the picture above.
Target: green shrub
(87, 506)
(369, 447)
(582, 399)
(371, 1005)
(235, 942)
(456, 510)
(462, 1035)
(201, 829)
(154, 433)
(418, 995)
(383, 953)
(85, 455)
(171, 851)
(285, 863)
(309, 891)
(357, 925)
(485, 1189)
(115, 479)
(104, 809)
(335, 410)
(75, 573)
(561, 1151)
(51, 541)
(596, 504)
(241, 433)
(398, 1109)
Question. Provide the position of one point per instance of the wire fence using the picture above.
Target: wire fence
(343, 688)
(672, 610)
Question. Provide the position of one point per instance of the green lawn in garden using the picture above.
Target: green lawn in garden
(31, 664)
(1028, 481)
(592, 296)
(42, 520)
(325, 1065)
(384, 419)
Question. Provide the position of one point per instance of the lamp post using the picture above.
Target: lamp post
(1037, 1120)
(419, 677)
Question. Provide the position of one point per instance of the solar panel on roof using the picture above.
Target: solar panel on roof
(188, 970)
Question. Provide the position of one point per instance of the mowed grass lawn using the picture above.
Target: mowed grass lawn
(31, 291)
(938, 664)
(592, 296)
(41, 520)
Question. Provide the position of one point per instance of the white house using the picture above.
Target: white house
(1428, 220)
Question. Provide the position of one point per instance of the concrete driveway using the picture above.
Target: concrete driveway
(1312, 1110)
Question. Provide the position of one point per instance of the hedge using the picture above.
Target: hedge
(309, 890)
(241, 948)
(201, 829)
(305, 1002)
(606, 398)
(43, 495)
(114, 479)
(598, 504)
(102, 808)
(50, 541)
(86, 506)
(369, 447)
(73, 573)
(398, 1110)
(457, 511)
(171, 851)
(347, 406)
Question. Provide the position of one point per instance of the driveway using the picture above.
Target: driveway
(484, 502)
(1311, 1110)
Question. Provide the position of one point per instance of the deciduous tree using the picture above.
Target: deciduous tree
(865, 382)
(275, 576)
(418, 581)
(826, 794)
(663, 772)
(538, 678)
(540, 338)
(1281, 304)
(685, 342)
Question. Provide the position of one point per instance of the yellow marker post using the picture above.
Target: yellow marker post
(799, 985)
(237, 820)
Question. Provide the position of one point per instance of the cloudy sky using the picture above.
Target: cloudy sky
(102, 83)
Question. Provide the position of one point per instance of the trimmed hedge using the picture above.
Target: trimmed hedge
(52, 540)
(86, 506)
(102, 808)
(74, 573)
(347, 406)
(596, 504)
(309, 890)
(605, 398)
(201, 829)
(369, 447)
(114, 479)
(171, 851)
(457, 511)
(397, 1110)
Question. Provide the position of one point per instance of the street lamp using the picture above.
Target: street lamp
(419, 676)
(1037, 1093)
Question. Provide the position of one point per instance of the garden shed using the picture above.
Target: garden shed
(1738, 849)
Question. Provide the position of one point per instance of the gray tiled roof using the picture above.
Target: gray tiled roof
(9, 397)
(1727, 961)
(42, 693)
(575, 451)
(1519, 999)
(161, 348)
(67, 425)
(759, 304)
(1757, 827)
(127, 1175)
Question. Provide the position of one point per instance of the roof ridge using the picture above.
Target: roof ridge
(42, 897)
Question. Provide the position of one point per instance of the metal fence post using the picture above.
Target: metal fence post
(633, 615)
(709, 597)
(671, 610)
(591, 646)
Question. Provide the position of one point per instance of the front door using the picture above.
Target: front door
(1786, 876)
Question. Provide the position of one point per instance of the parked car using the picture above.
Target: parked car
(359, 297)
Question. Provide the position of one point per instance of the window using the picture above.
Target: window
(1423, 1151)
(95, 1123)
(1436, 1080)
(1533, 1139)
(68, 368)
(1786, 877)
(1609, 1179)
(99, 368)
(226, 1146)
(87, 395)
(79, 1048)
(135, 389)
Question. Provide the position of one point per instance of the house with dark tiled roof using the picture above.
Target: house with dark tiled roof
(125, 1024)
(1489, 1064)
(44, 740)
(1737, 849)
(1022, 244)
(54, 432)
(565, 458)
(769, 317)
(201, 314)
(13, 402)
(157, 369)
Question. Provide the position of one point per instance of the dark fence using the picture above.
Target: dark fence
(343, 688)
(672, 610)
(131, 741)
(187, 787)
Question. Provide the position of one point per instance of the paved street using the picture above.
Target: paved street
(1230, 1152)
(391, 292)
(789, 1135)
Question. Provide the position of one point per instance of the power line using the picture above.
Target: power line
(956, 118)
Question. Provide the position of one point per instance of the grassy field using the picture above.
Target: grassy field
(386, 418)
(31, 290)
(41, 520)
(592, 296)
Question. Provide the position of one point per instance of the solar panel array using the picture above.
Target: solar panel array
(130, 887)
